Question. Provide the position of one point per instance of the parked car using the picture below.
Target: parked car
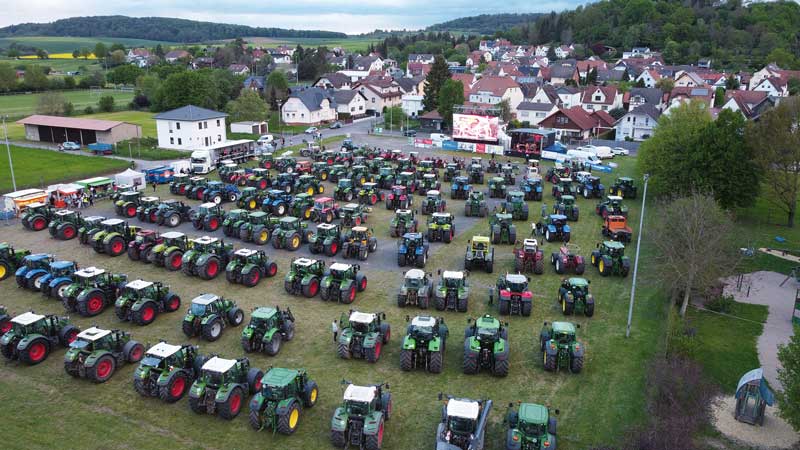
(410, 132)
(311, 130)
(334, 125)
(617, 151)
(69, 145)
(265, 139)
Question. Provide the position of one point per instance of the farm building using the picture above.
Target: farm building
(83, 131)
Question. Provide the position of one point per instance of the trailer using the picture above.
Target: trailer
(101, 149)
(206, 159)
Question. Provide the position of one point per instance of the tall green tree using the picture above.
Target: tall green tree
(450, 95)
(51, 104)
(186, 88)
(719, 97)
(100, 50)
(438, 74)
(591, 77)
(277, 81)
(8, 77)
(106, 103)
(124, 74)
(789, 376)
(35, 78)
(248, 107)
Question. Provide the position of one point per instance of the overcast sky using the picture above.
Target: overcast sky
(349, 16)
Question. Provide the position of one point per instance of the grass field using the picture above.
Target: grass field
(351, 44)
(40, 168)
(144, 119)
(58, 44)
(21, 105)
(596, 406)
(61, 66)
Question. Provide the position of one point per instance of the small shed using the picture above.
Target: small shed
(752, 397)
(131, 178)
(250, 127)
(84, 131)
(431, 121)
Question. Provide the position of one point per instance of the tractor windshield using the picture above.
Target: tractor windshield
(344, 183)
(452, 282)
(360, 327)
(460, 425)
(274, 392)
(532, 429)
(38, 264)
(563, 338)
(215, 378)
(516, 287)
(80, 344)
(198, 310)
(357, 408)
(62, 272)
(151, 361)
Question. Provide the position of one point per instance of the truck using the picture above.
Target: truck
(206, 159)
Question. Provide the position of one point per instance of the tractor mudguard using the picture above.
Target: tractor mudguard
(56, 281)
(188, 255)
(306, 279)
(566, 228)
(119, 303)
(247, 333)
(256, 402)
(208, 319)
(143, 373)
(551, 348)
(91, 360)
(268, 336)
(500, 350)
(107, 238)
(198, 389)
(71, 355)
(284, 406)
(166, 376)
(202, 259)
(326, 282)
(435, 344)
(248, 268)
(25, 341)
(339, 420)
(372, 423)
(169, 250)
(402, 249)
(370, 339)
(139, 303)
(577, 349)
(419, 250)
(231, 266)
(345, 285)
(46, 279)
(474, 344)
(345, 337)
(225, 391)
(20, 272)
(552, 228)
(30, 274)
(409, 343)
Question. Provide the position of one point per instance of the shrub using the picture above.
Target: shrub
(88, 110)
(106, 104)
(69, 108)
(720, 303)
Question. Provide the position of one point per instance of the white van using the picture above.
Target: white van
(603, 152)
(265, 139)
(583, 156)
(439, 137)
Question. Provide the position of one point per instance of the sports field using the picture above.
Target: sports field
(20, 105)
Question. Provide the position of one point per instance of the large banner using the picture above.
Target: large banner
(475, 128)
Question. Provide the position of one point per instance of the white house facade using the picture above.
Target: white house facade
(190, 127)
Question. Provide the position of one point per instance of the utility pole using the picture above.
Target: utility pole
(8, 148)
(636, 261)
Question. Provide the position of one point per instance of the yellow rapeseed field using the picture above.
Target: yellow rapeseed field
(57, 56)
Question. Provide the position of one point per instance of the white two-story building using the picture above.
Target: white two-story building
(190, 127)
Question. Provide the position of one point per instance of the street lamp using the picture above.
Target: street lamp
(636, 261)
(8, 148)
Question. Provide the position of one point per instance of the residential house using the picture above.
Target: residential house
(190, 127)
(586, 66)
(137, 53)
(534, 113)
(407, 85)
(255, 83)
(310, 106)
(351, 103)
(258, 54)
(368, 63)
(380, 93)
(424, 58)
(611, 75)
(636, 97)
(177, 55)
(338, 61)
(601, 98)
(689, 79)
(493, 90)
(559, 74)
(415, 69)
(412, 104)
(638, 124)
(748, 103)
(679, 95)
(564, 51)
(570, 124)
(773, 86)
(649, 77)
(542, 50)
(637, 52)
(333, 80)
(281, 58)
(568, 96)
(239, 69)
(203, 62)
(474, 58)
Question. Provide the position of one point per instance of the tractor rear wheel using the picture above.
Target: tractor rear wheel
(187, 329)
(115, 246)
(338, 439)
(549, 362)
(252, 278)
(343, 351)
(174, 260)
(526, 308)
(233, 405)
(133, 253)
(36, 352)
(567, 307)
(103, 369)
(440, 303)
(436, 362)
(538, 266)
(576, 364)
(172, 302)
(210, 269)
(287, 422)
(312, 288)
(504, 307)
(255, 420)
(374, 353)
(406, 360)
(212, 330)
(500, 368)
(133, 351)
(175, 388)
(91, 303)
(274, 345)
(470, 364)
(146, 314)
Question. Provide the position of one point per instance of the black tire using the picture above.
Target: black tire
(338, 439)
(374, 441)
(504, 307)
(550, 363)
(92, 372)
(436, 362)
(470, 365)
(67, 334)
(133, 351)
(166, 393)
(255, 420)
(212, 330)
(284, 422)
(187, 329)
(194, 405)
(406, 360)
(576, 364)
(343, 351)
(146, 314)
(526, 309)
(274, 345)
(235, 316)
(310, 394)
(227, 409)
(500, 368)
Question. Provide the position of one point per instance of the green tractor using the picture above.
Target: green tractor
(361, 175)
(248, 267)
(564, 187)
(515, 205)
(91, 225)
(126, 203)
(142, 301)
(369, 194)
(560, 347)
(479, 254)
(258, 179)
(407, 180)
(169, 253)
(172, 213)
(424, 344)
(208, 217)
(308, 184)
(233, 220)
(610, 259)
(256, 227)
(611, 206)
(146, 211)
(497, 187)
(302, 206)
(207, 257)
(566, 207)
(501, 229)
(344, 190)
(475, 205)
(509, 173)
(290, 234)
(223, 386)
(354, 214)
(320, 170)
(451, 171)
(114, 237)
(209, 314)
(96, 354)
(341, 282)
(65, 224)
(359, 242)
(360, 420)
(441, 227)
(362, 335)
(513, 295)
(427, 183)
(385, 177)
(486, 346)
(460, 188)
(178, 184)
(167, 371)
(574, 295)
(404, 221)
(10, 259)
(475, 172)
(304, 277)
(452, 291)
(530, 428)
(267, 330)
(327, 239)
(416, 289)
(92, 291)
(33, 336)
(623, 187)
(433, 203)
(283, 395)
(337, 172)
(251, 199)
(463, 425)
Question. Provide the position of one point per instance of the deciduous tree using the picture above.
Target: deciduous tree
(35, 78)
(106, 104)
(248, 107)
(435, 79)
(450, 95)
(8, 77)
(789, 376)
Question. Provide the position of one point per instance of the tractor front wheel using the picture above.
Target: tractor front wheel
(212, 330)
(103, 369)
(175, 388)
(274, 345)
(374, 353)
(233, 405)
(146, 314)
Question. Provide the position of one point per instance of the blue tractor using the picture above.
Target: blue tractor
(532, 188)
(32, 268)
(218, 192)
(460, 187)
(62, 274)
(589, 185)
(412, 250)
(277, 202)
(556, 228)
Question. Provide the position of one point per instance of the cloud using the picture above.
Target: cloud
(349, 16)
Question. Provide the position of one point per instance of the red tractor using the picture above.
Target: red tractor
(565, 260)
(529, 257)
(398, 198)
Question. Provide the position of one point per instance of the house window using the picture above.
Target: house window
(647, 121)
(219, 137)
(171, 140)
(177, 125)
(561, 120)
(205, 125)
(597, 98)
(217, 122)
(605, 108)
(199, 125)
(629, 118)
(179, 141)
(373, 99)
(302, 115)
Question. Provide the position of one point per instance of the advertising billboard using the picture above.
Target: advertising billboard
(475, 128)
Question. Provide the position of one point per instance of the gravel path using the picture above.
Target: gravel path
(765, 289)
(774, 434)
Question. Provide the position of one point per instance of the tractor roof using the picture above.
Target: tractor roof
(205, 299)
(27, 318)
(407, 174)
(35, 205)
(145, 232)
(625, 179)
(246, 252)
(487, 321)
(208, 205)
(219, 365)
(461, 179)
(137, 285)
(403, 211)
(149, 199)
(37, 257)
(412, 236)
(263, 312)
(94, 218)
(257, 214)
(112, 222)
(304, 262)
(429, 176)
(360, 317)
(275, 192)
(65, 212)
(324, 199)
(558, 217)
(504, 216)
(163, 350)
(237, 210)
(279, 377)
(359, 167)
(434, 192)
(515, 193)
(124, 194)
(582, 174)
(614, 245)
(614, 198)
(480, 239)
(205, 240)
(516, 278)
(340, 267)
(89, 272)
(359, 393)
(453, 275)
(442, 214)
(530, 243)
(416, 274)
(565, 180)
(215, 183)
(326, 226)
(345, 180)
(369, 185)
(169, 201)
(92, 334)
(567, 197)
(533, 413)
(197, 178)
(466, 409)
(563, 327)
(423, 321)
(616, 218)
(577, 281)
(351, 206)
(498, 179)
(172, 235)
(58, 265)
(359, 229)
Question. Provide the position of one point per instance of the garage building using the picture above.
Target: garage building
(83, 131)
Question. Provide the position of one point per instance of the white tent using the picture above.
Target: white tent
(131, 177)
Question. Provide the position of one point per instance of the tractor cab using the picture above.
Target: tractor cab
(29, 323)
(557, 220)
(93, 339)
(139, 289)
(359, 234)
(205, 305)
(613, 248)
(243, 255)
(114, 226)
(462, 420)
(37, 261)
(433, 195)
(453, 279)
(88, 277)
(576, 284)
(289, 223)
(515, 282)
(563, 333)
(415, 278)
(163, 356)
(424, 327)
(204, 244)
(487, 328)
(502, 219)
(130, 196)
(149, 201)
(359, 400)
(480, 244)
(515, 197)
(442, 218)
(530, 245)
(344, 183)
(343, 271)
(413, 239)
(175, 239)
(324, 204)
(398, 191)
(405, 178)
(209, 209)
(359, 321)
(264, 318)
(386, 171)
(218, 371)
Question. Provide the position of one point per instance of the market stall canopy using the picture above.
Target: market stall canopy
(132, 178)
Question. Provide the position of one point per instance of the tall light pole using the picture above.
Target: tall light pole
(8, 148)
(636, 261)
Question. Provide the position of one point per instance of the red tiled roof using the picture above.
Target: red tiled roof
(577, 115)
(610, 93)
(432, 115)
(746, 97)
(70, 122)
(604, 117)
(587, 66)
(496, 85)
